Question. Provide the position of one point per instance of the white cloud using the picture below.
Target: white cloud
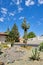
(4, 10)
(40, 1)
(32, 3)
(12, 2)
(21, 17)
(1, 19)
(20, 9)
(12, 13)
(29, 2)
(17, 2)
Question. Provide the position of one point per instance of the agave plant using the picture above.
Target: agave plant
(35, 54)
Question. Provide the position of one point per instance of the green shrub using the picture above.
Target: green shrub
(31, 35)
(35, 54)
(41, 46)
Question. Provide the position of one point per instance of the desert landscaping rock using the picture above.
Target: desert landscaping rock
(17, 55)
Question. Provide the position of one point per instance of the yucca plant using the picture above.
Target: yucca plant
(35, 54)
(25, 27)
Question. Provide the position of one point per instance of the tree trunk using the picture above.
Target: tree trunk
(25, 37)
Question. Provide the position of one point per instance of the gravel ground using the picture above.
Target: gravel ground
(19, 56)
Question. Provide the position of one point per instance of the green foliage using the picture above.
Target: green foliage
(7, 37)
(35, 55)
(41, 46)
(25, 27)
(8, 30)
(31, 35)
(13, 34)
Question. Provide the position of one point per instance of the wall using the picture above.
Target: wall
(2, 39)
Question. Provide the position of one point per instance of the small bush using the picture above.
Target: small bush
(41, 46)
(35, 54)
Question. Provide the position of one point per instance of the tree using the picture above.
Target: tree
(31, 35)
(25, 27)
(13, 34)
(7, 32)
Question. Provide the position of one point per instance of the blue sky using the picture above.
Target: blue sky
(14, 11)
